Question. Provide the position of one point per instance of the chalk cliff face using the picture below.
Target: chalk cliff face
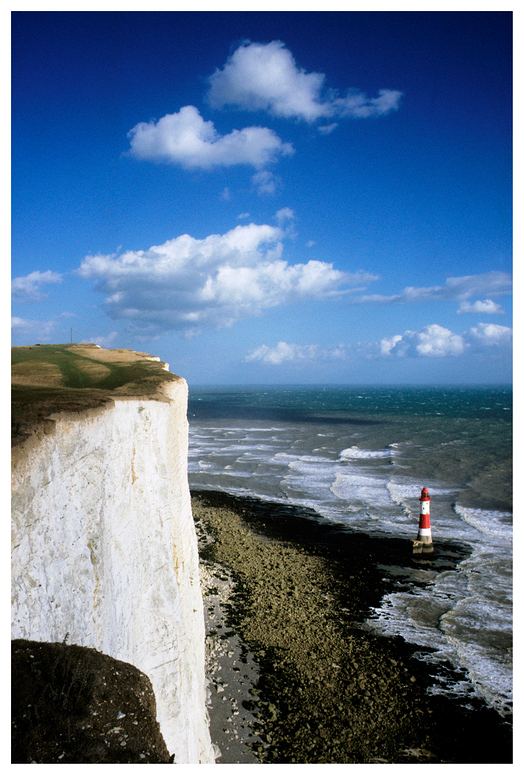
(104, 550)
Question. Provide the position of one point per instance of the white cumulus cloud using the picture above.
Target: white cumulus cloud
(265, 76)
(432, 341)
(190, 284)
(486, 307)
(294, 353)
(490, 334)
(437, 341)
(388, 344)
(27, 288)
(184, 138)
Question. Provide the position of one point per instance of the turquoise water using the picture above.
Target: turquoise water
(360, 456)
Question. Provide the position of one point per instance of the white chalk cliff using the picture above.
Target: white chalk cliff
(104, 550)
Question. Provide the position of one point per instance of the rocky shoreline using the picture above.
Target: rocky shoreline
(293, 676)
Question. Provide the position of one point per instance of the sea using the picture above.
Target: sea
(359, 456)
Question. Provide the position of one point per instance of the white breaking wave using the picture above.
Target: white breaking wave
(355, 453)
(491, 523)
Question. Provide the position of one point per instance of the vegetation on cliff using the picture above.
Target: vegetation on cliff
(74, 705)
(68, 378)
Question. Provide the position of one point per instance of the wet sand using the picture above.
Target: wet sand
(293, 676)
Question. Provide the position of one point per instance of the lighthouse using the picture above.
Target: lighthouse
(424, 542)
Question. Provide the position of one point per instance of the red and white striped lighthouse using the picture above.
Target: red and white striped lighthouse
(424, 542)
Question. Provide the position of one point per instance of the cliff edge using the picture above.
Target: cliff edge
(104, 550)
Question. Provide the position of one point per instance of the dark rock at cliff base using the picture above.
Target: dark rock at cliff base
(74, 705)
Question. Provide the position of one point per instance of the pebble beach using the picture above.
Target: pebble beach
(293, 675)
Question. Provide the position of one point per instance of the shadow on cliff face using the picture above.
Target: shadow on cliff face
(74, 705)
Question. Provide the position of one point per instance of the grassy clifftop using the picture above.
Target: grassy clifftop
(55, 378)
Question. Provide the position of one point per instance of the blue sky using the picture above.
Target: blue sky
(267, 197)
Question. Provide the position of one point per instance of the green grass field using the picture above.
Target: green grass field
(80, 371)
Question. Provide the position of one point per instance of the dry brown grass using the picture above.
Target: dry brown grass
(112, 356)
(37, 374)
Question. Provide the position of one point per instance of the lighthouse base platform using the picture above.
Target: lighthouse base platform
(421, 547)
